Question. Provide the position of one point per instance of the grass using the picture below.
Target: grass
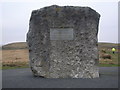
(16, 56)
(114, 61)
(12, 59)
(15, 67)
(108, 65)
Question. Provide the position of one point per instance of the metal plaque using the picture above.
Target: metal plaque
(61, 34)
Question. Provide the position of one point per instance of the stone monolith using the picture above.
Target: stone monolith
(63, 42)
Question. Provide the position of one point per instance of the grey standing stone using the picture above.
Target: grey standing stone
(71, 50)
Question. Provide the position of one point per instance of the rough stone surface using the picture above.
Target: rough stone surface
(64, 58)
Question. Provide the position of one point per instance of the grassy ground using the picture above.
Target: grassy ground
(17, 58)
(114, 61)
(13, 57)
(15, 67)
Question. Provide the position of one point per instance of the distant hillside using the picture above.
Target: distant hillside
(107, 45)
(18, 45)
(23, 45)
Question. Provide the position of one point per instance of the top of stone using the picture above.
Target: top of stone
(63, 16)
(58, 8)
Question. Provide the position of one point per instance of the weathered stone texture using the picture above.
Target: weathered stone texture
(77, 58)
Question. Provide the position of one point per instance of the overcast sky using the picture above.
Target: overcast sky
(15, 18)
